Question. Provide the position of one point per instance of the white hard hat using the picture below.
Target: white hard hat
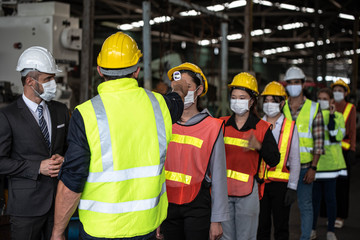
(294, 73)
(37, 58)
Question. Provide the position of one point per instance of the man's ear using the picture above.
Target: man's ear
(98, 69)
(136, 73)
(29, 81)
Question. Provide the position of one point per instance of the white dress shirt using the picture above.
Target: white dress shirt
(293, 161)
(33, 109)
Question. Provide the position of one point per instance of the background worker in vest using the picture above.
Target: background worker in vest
(195, 161)
(310, 125)
(248, 139)
(280, 181)
(331, 164)
(341, 90)
(114, 167)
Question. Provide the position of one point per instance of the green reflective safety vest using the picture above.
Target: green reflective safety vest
(128, 130)
(332, 163)
(304, 122)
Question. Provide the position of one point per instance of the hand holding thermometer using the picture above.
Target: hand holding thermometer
(177, 76)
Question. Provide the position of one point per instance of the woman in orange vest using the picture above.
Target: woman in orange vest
(280, 181)
(195, 162)
(341, 90)
(248, 139)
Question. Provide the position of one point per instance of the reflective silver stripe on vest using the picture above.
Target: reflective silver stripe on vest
(306, 149)
(126, 174)
(104, 133)
(333, 133)
(305, 135)
(108, 174)
(123, 207)
(343, 173)
(160, 125)
(328, 143)
(312, 113)
(322, 175)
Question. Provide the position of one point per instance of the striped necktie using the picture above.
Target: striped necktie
(43, 125)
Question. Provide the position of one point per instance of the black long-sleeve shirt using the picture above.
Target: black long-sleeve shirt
(269, 150)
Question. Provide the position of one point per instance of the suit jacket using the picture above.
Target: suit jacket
(22, 148)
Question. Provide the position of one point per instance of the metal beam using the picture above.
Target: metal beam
(355, 63)
(247, 62)
(224, 68)
(147, 44)
(87, 48)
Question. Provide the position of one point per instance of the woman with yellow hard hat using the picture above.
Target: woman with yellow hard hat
(195, 161)
(280, 181)
(341, 90)
(248, 139)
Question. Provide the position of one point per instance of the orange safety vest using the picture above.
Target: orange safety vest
(280, 173)
(345, 143)
(242, 163)
(187, 158)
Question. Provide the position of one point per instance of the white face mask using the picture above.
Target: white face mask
(239, 106)
(271, 109)
(324, 104)
(294, 90)
(49, 90)
(338, 96)
(189, 98)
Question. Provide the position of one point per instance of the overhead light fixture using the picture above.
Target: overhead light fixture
(236, 4)
(190, 13)
(288, 7)
(216, 51)
(346, 16)
(235, 36)
(216, 8)
(265, 3)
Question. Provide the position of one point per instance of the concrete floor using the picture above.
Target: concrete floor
(351, 229)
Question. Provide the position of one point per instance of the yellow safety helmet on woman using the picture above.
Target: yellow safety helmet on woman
(119, 51)
(341, 83)
(245, 80)
(193, 68)
(274, 89)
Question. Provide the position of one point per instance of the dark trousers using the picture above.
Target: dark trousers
(32, 228)
(343, 191)
(189, 221)
(326, 188)
(272, 205)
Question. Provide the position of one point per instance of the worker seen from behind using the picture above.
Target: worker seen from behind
(330, 165)
(248, 139)
(280, 181)
(114, 167)
(309, 122)
(195, 162)
(341, 90)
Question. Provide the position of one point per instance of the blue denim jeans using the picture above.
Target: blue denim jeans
(304, 192)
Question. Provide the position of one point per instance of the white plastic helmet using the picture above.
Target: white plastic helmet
(37, 58)
(294, 73)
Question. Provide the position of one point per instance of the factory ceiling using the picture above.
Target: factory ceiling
(283, 31)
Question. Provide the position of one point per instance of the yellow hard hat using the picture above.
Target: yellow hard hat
(119, 51)
(341, 82)
(245, 80)
(274, 89)
(191, 67)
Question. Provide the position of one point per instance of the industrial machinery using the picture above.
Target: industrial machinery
(46, 24)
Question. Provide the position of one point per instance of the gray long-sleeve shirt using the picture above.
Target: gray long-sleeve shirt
(217, 171)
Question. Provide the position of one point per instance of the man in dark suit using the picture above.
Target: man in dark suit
(32, 144)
